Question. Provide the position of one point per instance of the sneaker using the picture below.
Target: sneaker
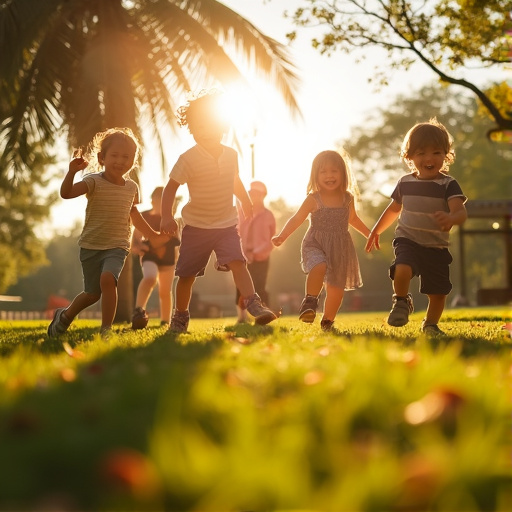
(261, 313)
(59, 324)
(179, 321)
(307, 311)
(431, 329)
(106, 333)
(327, 325)
(402, 308)
(139, 318)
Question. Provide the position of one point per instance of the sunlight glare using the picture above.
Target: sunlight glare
(239, 107)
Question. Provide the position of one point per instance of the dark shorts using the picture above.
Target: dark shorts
(430, 264)
(197, 245)
(94, 262)
(164, 257)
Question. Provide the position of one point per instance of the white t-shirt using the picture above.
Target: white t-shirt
(210, 183)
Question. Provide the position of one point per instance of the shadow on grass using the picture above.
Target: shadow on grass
(55, 436)
(469, 347)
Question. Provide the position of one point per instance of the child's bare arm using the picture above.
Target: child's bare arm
(389, 215)
(457, 215)
(243, 197)
(137, 246)
(168, 224)
(295, 221)
(140, 224)
(355, 221)
(68, 189)
(156, 239)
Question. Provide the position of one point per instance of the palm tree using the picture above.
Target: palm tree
(75, 67)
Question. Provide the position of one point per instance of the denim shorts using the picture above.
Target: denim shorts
(432, 265)
(197, 245)
(94, 262)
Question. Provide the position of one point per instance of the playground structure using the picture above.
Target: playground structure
(501, 212)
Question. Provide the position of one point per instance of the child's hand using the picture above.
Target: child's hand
(373, 241)
(277, 240)
(444, 220)
(158, 240)
(169, 227)
(78, 163)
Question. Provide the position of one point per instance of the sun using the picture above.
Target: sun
(268, 141)
(239, 105)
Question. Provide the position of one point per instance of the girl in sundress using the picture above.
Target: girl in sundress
(328, 253)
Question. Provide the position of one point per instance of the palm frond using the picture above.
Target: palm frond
(85, 65)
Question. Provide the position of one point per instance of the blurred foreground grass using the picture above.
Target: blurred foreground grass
(238, 417)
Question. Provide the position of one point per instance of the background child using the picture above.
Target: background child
(256, 233)
(427, 203)
(328, 252)
(157, 265)
(210, 171)
(105, 239)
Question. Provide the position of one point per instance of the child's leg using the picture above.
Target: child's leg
(314, 284)
(108, 284)
(184, 292)
(242, 278)
(181, 315)
(259, 271)
(262, 314)
(82, 301)
(63, 317)
(333, 300)
(165, 280)
(402, 279)
(435, 309)
(315, 279)
(147, 283)
(402, 300)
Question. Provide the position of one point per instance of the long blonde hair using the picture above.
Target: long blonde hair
(340, 159)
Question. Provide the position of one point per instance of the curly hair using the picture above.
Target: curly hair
(422, 135)
(103, 140)
(205, 104)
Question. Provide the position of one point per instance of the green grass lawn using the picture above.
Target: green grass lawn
(239, 417)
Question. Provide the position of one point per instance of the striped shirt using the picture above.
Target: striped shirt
(210, 185)
(419, 200)
(107, 215)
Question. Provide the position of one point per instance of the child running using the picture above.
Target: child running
(427, 203)
(210, 170)
(328, 252)
(111, 209)
(157, 266)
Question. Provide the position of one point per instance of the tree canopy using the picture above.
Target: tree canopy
(446, 35)
(22, 209)
(72, 68)
(480, 166)
(86, 66)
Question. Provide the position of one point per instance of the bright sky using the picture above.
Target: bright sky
(334, 96)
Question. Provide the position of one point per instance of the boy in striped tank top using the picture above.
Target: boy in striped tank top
(427, 203)
(210, 171)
